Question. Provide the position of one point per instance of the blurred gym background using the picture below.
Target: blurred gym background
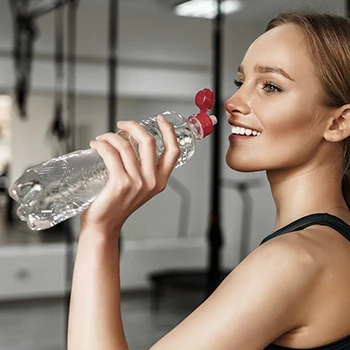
(69, 69)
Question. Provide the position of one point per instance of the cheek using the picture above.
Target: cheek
(287, 121)
(286, 141)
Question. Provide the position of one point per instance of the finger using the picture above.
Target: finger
(125, 150)
(171, 152)
(111, 158)
(146, 145)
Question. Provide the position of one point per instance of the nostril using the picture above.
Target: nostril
(231, 108)
(238, 103)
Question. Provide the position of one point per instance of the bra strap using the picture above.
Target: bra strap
(313, 219)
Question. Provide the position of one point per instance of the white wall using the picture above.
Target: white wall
(164, 61)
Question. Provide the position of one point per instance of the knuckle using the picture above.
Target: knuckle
(152, 184)
(139, 184)
(175, 152)
(160, 187)
(123, 184)
(150, 141)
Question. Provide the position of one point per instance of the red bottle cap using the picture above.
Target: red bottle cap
(205, 100)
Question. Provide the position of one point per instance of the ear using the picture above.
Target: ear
(339, 125)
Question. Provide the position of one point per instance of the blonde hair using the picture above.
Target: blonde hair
(328, 39)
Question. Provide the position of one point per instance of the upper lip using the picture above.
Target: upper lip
(234, 123)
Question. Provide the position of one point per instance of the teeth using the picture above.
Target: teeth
(243, 131)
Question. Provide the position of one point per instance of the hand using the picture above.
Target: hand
(130, 184)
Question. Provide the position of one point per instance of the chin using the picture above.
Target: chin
(242, 165)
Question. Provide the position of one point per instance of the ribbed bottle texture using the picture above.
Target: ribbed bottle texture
(63, 187)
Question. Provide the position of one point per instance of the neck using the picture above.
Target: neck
(302, 192)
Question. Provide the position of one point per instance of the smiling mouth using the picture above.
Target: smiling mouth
(238, 130)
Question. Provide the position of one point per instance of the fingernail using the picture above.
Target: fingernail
(161, 118)
(98, 137)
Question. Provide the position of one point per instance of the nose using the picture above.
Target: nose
(238, 103)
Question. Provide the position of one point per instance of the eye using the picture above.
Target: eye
(237, 83)
(271, 87)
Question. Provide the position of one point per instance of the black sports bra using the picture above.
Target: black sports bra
(315, 219)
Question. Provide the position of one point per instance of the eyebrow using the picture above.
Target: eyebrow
(268, 69)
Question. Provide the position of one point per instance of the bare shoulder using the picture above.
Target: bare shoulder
(312, 252)
(326, 255)
(297, 252)
(289, 266)
(323, 244)
(263, 298)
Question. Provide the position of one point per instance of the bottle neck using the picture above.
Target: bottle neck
(196, 127)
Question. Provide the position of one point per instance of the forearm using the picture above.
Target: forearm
(95, 316)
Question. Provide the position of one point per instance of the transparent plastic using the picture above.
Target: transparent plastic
(63, 187)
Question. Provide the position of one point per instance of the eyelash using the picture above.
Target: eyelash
(237, 83)
(266, 84)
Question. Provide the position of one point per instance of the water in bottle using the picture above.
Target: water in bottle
(62, 187)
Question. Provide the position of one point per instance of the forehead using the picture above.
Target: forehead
(284, 46)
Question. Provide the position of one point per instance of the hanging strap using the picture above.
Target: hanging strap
(314, 219)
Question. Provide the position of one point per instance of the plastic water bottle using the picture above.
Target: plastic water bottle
(60, 188)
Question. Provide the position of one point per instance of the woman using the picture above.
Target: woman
(293, 291)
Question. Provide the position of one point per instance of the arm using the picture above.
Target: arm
(95, 318)
(263, 298)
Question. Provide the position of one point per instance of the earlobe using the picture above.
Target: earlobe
(339, 127)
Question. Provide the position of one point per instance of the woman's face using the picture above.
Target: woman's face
(279, 97)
